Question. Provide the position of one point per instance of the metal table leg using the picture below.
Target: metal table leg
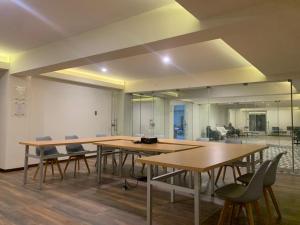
(26, 164)
(99, 163)
(41, 168)
(197, 197)
(212, 182)
(149, 195)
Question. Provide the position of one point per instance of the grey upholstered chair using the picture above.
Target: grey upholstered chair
(76, 152)
(243, 196)
(106, 151)
(269, 181)
(233, 166)
(48, 151)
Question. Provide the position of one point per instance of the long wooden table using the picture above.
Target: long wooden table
(180, 155)
(197, 160)
(119, 142)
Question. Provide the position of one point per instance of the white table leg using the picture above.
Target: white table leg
(149, 195)
(99, 163)
(26, 164)
(197, 197)
(172, 191)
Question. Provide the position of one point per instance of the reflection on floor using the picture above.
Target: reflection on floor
(80, 200)
(277, 144)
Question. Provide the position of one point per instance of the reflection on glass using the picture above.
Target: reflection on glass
(252, 113)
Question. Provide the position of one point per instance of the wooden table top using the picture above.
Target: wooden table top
(70, 141)
(204, 158)
(184, 154)
(158, 147)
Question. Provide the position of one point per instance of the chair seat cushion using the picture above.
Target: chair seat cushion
(231, 192)
(245, 179)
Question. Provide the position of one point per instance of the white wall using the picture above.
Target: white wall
(56, 109)
(3, 115)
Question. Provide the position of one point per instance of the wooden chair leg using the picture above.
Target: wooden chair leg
(218, 175)
(36, 172)
(87, 165)
(143, 168)
(132, 163)
(124, 159)
(105, 161)
(78, 161)
(270, 190)
(52, 169)
(239, 211)
(231, 213)
(45, 170)
(224, 172)
(233, 172)
(239, 171)
(269, 212)
(223, 215)
(75, 166)
(59, 169)
(68, 161)
(257, 210)
(208, 173)
(249, 214)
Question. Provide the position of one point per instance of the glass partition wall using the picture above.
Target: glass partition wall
(257, 113)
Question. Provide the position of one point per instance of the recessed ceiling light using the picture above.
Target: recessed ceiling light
(166, 59)
(103, 69)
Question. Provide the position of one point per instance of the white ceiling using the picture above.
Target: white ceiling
(28, 24)
(190, 59)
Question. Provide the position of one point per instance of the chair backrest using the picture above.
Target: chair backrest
(72, 148)
(233, 141)
(272, 169)
(254, 189)
(48, 150)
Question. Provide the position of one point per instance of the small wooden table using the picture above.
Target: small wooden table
(196, 160)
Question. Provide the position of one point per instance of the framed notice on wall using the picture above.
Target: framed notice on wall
(19, 101)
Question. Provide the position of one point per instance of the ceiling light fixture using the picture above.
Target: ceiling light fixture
(166, 60)
(103, 69)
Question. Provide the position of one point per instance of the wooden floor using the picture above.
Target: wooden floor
(80, 201)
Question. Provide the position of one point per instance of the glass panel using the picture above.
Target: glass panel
(136, 115)
(159, 117)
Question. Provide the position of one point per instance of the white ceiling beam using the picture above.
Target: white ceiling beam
(109, 42)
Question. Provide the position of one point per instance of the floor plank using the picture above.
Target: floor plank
(80, 201)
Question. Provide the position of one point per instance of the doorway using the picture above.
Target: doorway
(257, 122)
(179, 122)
